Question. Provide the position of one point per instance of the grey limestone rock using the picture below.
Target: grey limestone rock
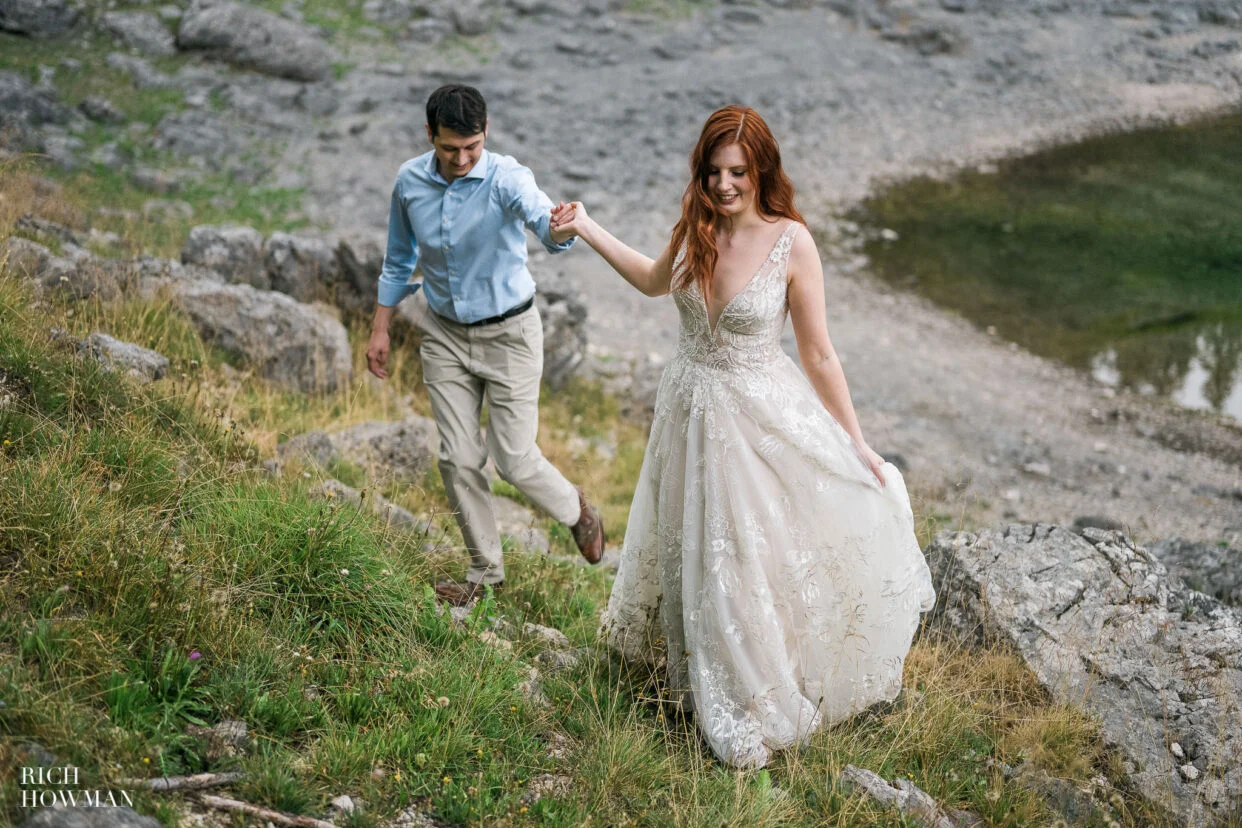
(360, 259)
(906, 798)
(24, 108)
(200, 135)
(26, 259)
(390, 451)
(141, 363)
(38, 18)
(287, 342)
(564, 316)
(1105, 626)
(390, 513)
(140, 30)
(309, 447)
(302, 266)
(256, 39)
(473, 17)
(101, 109)
(233, 251)
(517, 522)
(142, 73)
(1210, 568)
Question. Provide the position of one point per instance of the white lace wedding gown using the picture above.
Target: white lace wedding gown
(762, 558)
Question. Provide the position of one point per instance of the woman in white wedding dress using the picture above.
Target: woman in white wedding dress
(770, 555)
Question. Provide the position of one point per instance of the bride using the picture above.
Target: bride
(770, 557)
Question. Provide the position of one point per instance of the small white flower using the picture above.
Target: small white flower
(344, 571)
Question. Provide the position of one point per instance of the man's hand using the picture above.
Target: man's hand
(377, 353)
(568, 219)
(560, 227)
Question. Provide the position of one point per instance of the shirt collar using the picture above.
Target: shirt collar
(479, 170)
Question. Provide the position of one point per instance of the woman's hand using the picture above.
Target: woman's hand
(569, 218)
(873, 461)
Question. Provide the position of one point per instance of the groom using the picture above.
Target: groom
(458, 212)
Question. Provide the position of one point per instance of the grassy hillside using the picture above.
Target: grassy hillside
(154, 577)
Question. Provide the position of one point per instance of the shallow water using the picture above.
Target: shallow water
(1121, 256)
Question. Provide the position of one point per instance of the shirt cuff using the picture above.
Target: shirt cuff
(391, 293)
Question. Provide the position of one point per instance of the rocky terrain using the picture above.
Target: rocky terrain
(1103, 624)
(603, 100)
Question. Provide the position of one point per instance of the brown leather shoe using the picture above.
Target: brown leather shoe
(588, 532)
(459, 595)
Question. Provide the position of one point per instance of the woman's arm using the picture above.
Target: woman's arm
(651, 276)
(808, 309)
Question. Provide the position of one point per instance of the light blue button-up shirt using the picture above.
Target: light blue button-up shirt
(466, 236)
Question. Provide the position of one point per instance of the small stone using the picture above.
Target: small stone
(494, 641)
(1189, 772)
(1176, 750)
(343, 804)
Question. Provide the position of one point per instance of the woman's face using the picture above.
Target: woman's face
(727, 181)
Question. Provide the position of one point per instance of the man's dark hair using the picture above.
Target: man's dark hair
(459, 108)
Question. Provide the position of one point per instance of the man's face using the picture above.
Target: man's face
(456, 154)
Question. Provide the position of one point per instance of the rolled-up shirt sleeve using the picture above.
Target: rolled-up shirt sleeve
(523, 198)
(400, 256)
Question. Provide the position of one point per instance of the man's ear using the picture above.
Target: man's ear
(486, 124)
(430, 136)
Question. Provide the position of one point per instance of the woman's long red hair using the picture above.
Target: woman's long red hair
(774, 192)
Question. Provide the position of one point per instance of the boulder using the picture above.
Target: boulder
(360, 258)
(1207, 567)
(908, 799)
(101, 109)
(564, 318)
(390, 513)
(24, 108)
(141, 73)
(473, 17)
(90, 817)
(312, 447)
(81, 278)
(287, 342)
(1220, 12)
(400, 451)
(516, 522)
(38, 18)
(1106, 627)
(140, 30)
(302, 266)
(48, 231)
(141, 363)
(233, 251)
(24, 258)
(255, 39)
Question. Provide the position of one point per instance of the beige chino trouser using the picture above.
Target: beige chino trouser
(503, 363)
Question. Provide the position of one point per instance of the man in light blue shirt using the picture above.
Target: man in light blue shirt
(460, 213)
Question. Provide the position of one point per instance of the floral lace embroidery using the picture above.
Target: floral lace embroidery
(764, 567)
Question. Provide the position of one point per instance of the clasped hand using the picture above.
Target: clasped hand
(568, 217)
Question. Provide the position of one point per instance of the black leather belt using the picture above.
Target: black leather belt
(492, 320)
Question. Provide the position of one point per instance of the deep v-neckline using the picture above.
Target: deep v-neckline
(707, 311)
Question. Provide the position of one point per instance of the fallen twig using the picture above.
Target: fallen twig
(263, 813)
(185, 783)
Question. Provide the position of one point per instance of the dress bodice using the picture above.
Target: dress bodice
(748, 332)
